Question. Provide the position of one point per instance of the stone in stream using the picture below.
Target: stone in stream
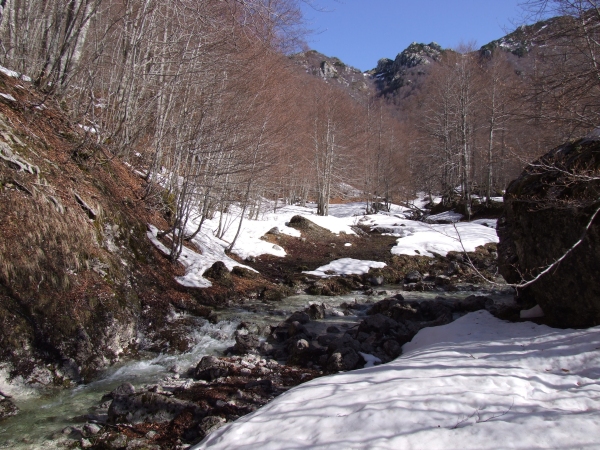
(210, 368)
(7, 407)
(245, 343)
(316, 312)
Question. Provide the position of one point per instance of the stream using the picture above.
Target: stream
(44, 414)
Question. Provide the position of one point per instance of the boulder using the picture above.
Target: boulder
(413, 277)
(219, 273)
(547, 211)
(210, 368)
(316, 312)
(377, 323)
(245, 343)
(344, 359)
(299, 316)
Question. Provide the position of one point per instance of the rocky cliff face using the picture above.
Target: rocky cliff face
(406, 68)
(333, 70)
(548, 214)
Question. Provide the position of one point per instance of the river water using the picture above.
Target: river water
(43, 414)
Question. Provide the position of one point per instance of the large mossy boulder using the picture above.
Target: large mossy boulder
(547, 220)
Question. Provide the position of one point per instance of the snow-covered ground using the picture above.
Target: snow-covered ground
(476, 383)
(419, 238)
(345, 266)
(414, 237)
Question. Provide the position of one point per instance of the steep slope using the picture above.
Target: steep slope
(79, 279)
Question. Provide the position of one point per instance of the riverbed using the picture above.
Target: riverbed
(44, 414)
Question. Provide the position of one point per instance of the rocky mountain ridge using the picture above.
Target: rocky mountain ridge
(401, 76)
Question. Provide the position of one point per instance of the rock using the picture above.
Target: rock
(333, 329)
(377, 323)
(452, 268)
(296, 328)
(344, 359)
(145, 407)
(243, 272)
(7, 407)
(442, 280)
(91, 429)
(301, 345)
(316, 312)
(326, 339)
(219, 273)
(392, 348)
(123, 389)
(384, 305)
(546, 211)
(376, 280)
(301, 223)
(404, 311)
(413, 277)
(473, 303)
(211, 423)
(210, 368)
(328, 70)
(245, 343)
(345, 341)
(299, 316)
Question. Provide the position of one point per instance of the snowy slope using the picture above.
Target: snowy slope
(477, 383)
(414, 237)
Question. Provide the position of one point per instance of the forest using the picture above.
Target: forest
(207, 98)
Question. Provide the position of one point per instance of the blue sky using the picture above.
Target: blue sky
(360, 32)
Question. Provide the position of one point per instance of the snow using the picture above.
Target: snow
(420, 237)
(88, 129)
(195, 263)
(13, 74)
(447, 216)
(476, 383)
(9, 73)
(442, 239)
(8, 97)
(345, 266)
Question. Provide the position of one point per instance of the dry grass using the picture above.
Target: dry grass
(39, 244)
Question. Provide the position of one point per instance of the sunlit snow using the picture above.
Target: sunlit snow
(345, 266)
(414, 237)
(476, 383)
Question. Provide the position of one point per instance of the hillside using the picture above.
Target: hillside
(80, 283)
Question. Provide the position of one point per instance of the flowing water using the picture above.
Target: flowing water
(45, 413)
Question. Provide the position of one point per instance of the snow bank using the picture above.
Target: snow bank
(13, 74)
(418, 238)
(477, 383)
(345, 266)
(195, 263)
(427, 240)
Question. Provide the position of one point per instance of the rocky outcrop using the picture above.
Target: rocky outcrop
(406, 67)
(548, 210)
